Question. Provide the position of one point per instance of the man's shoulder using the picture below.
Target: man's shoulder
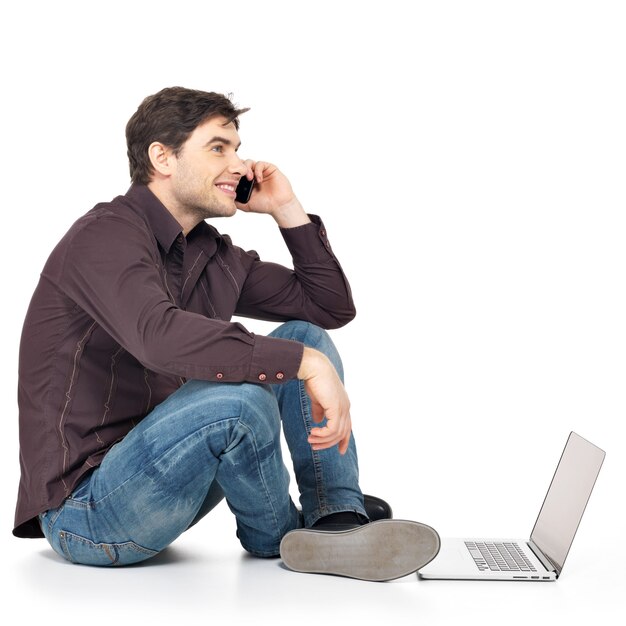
(107, 219)
(109, 227)
(116, 211)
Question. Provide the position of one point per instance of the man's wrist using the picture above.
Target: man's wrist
(291, 215)
(312, 361)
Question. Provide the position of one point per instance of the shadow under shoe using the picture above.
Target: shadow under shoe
(377, 551)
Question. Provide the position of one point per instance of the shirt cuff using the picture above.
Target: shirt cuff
(309, 242)
(274, 360)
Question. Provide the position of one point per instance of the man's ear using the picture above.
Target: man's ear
(162, 158)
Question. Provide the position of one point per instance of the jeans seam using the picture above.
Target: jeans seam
(317, 466)
(320, 492)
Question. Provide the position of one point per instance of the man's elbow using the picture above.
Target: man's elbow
(342, 318)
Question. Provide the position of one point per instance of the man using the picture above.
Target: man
(142, 405)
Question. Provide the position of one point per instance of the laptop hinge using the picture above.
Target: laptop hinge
(545, 561)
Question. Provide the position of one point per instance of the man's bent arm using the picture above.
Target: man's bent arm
(112, 272)
(316, 290)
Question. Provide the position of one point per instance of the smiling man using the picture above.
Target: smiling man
(142, 405)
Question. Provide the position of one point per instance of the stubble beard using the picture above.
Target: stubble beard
(202, 203)
(209, 210)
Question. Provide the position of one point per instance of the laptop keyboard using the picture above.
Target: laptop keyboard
(499, 557)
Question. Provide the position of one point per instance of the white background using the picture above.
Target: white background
(468, 160)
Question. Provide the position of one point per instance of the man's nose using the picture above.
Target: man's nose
(237, 166)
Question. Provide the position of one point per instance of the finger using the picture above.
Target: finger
(323, 445)
(263, 170)
(321, 434)
(325, 438)
(249, 163)
(258, 171)
(325, 442)
(328, 436)
(343, 444)
(328, 440)
(334, 427)
(317, 412)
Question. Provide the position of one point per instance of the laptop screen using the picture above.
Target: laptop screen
(566, 499)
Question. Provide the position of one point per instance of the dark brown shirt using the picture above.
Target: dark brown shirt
(127, 309)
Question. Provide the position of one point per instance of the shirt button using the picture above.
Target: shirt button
(262, 377)
(219, 375)
(323, 233)
(180, 239)
(280, 375)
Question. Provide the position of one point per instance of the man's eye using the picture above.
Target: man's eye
(218, 148)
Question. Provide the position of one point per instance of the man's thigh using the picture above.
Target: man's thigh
(153, 484)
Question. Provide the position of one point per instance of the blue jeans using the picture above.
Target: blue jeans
(205, 442)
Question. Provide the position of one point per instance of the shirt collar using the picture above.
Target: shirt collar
(164, 225)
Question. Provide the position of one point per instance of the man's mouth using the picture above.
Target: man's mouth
(228, 188)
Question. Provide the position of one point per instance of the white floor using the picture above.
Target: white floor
(205, 576)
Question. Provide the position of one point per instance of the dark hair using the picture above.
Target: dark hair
(170, 116)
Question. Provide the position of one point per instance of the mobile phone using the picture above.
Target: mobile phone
(244, 190)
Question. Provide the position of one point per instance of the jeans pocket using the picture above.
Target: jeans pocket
(77, 549)
(82, 491)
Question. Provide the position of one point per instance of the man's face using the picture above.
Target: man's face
(208, 170)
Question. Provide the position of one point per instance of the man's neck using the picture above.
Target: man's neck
(187, 222)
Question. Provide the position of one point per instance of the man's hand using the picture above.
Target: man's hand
(273, 195)
(328, 399)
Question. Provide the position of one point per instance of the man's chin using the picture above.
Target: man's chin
(221, 211)
(228, 212)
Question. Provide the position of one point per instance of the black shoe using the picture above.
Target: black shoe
(381, 550)
(376, 508)
(344, 520)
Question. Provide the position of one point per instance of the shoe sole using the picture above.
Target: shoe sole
(378, 551)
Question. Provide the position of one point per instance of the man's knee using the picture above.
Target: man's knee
(212, 403)
(298, 330)
(312, 336)
(259, 411)
(253, 404)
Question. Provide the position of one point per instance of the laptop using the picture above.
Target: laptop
(542, 557)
